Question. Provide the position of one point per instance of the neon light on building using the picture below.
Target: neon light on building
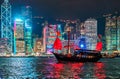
(44, 38)
(51, 36)
(19, 42)
(27, 14)
(112, 33)
(91, 33)
(52, 32)
(15, 38)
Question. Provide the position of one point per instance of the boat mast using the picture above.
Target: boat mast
(68, 30)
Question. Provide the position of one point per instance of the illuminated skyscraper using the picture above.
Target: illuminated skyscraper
(27, 14)
(91, 33)
(6, 28)
(112, 33)
(19, 42)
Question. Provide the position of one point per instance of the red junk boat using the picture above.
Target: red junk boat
(79, 55)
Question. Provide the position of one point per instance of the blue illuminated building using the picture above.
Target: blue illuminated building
(27, 14)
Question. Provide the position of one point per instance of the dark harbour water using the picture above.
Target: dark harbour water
(48, 68)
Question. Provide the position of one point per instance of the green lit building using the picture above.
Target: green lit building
(27, 14)
(112, 33)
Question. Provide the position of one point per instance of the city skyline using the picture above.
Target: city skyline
(59, 39)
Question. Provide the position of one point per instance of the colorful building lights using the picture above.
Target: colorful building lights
(19, 42)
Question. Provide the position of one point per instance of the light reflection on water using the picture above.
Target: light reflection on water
(48, 68)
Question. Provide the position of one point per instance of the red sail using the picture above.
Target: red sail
(57, 44)
(99, 46)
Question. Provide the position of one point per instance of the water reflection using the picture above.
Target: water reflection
(64, 71)
(48, 68)
(17, 68)
(99, 70)
(76, 71)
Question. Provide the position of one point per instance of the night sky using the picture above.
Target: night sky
(68, 9)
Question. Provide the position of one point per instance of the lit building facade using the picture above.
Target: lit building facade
(3, 47)
(19, 42)
(75, 29)
(90, 33)
(49, 36)
(44, 38)
(82, 29)
(112, 33)
(38, 46)
(27, 14)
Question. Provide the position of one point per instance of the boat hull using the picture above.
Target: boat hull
(89, 57)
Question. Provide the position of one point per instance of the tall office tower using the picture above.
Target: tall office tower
(27, 14)
(91, 33)
(6, 28)
(19, 42)
(112, 33)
